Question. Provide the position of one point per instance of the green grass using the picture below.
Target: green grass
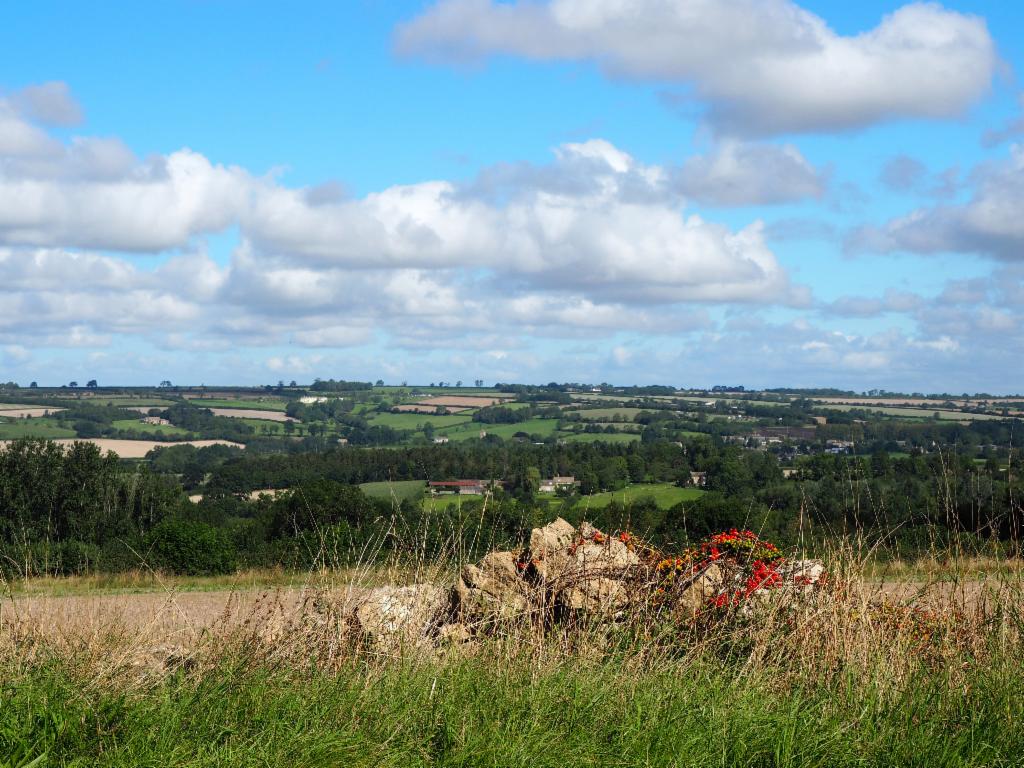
(731, 401)
(417, 420)
(150, 429)
(252, 405)
(444, 500)
(542, 427)
(13, 429)
(275, 427)
(665, 495)
(607, 414)
(401, 490)
(914, 413)
(489, 711)
(136, 402)
(596, 397)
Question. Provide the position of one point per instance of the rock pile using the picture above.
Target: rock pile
(568, 573)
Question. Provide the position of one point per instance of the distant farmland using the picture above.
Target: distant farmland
(137, 449)
(25, 411)
(665, 495)
(252, 413)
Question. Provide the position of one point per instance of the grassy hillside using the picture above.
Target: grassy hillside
(418, 420)
(665, 494)
(12, 429)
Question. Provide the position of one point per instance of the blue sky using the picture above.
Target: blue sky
(683, 191)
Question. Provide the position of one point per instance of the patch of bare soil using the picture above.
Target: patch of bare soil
(27, 412)
(136, 449)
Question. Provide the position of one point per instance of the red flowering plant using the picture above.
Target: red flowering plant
(747, 563)
(741, 547)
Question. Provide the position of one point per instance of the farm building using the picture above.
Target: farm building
(555, 483)
(458, 487)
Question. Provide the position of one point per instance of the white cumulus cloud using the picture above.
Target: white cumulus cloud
(761, 66)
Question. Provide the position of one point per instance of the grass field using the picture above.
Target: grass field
(915, 413)
(39, 427)
(731, 401)
(273, 427)
(443, 501)
(417, 420)
(401, 490)
(233, 679)
(542, 427)
(453, 391)
(500, 712)
(151, 429)
(137, 402)
(252, 405)
(665, 495)
(608, 414)
(597, 398)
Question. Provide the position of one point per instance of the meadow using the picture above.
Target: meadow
(542, 427)
(916, 413)
(137, 402)
(257, 670)
(419, 420)
(254, 404)
(665, 495)
(38, 427)
(141, 426)
(399, 490)
(265, 426)
(608, 414)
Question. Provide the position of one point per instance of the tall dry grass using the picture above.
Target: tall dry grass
(865, 670)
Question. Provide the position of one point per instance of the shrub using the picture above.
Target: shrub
(191, 547)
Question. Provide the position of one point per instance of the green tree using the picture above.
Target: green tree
(191, 547)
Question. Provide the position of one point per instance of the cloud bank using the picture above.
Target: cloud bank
(761, 67)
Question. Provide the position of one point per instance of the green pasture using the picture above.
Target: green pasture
(665, 495)
(252, 405)
(137, 402)
(608, 414)
(418, 420)
(443, 501)
(150, 429)
(416, 391)
(271, 427)
(913, 413)
(542, 427)
(12, 429)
